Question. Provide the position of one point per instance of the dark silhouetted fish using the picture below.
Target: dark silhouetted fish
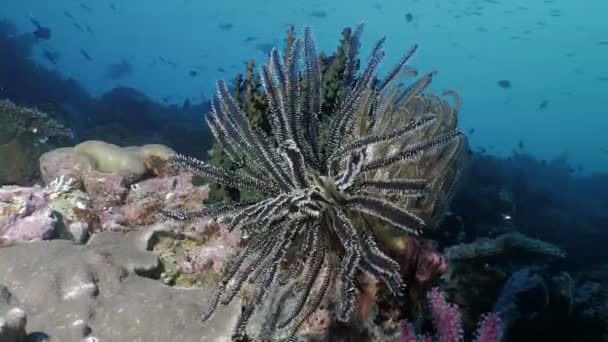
(520, 145)
(409, 17)
(118, 70)
(86, 55)
(221, 69)
(378, 7)
(602, 42)
(86, 8)
(604, 150)
(68, 15)
(249, 39)
(193, 73)
(225, 27)
(51, 56)
(543, 104)
(41, 32)
(167, 62)
(317, 14)
(504, 83)
(471, 130)
(89, 29)
(78, 26)
(113, 7)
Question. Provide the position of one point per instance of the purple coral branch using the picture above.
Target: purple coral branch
(448, 323)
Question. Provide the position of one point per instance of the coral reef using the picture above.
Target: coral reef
(513, 242)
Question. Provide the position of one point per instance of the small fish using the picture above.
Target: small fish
(471, 130)
(504, 84)
(68, 15)
(193, 73)
(378, 7)
(409, 17)
(604, 150)
(249, 39)
(50, 56)
(603, 42)
(113, 7)
(319, 14)
(221, 69)
(41, 32)
(543, 104)
(86, 8)
(86, 55)
(78, 26)
(520, 145)
(225, 26)
(89, 29)
(118, 70)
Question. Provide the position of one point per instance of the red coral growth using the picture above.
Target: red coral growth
(420, 264)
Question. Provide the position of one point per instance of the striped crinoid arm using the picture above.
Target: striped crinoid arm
(401, 187)
(348, 235)
(233, 179)
(414, 153)
(213, 211)
(368, 141)
(343, 120)
(239, 266)
(380, 265)
(253, 140)
(391, 213)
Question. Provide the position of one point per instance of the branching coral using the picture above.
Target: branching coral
(448, 323)
(321, 188)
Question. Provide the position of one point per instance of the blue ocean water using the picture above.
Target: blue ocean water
(552, 52)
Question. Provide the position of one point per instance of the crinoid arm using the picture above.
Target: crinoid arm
(322, 186)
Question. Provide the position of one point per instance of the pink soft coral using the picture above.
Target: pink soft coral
(448, 323)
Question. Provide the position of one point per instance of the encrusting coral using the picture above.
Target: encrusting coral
(321, 189)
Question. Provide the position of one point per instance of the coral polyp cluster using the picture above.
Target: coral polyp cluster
(322, 190)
